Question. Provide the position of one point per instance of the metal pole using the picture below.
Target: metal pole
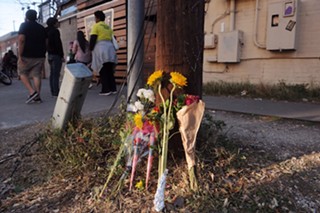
(135, 19)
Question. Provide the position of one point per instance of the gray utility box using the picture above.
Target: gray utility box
(73, 91)
(281, 25)
(229, 46)
(210, 41)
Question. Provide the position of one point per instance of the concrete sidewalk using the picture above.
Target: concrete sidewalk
(14, 112)
(283, 109)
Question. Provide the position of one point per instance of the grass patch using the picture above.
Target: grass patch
(86, 145)
(279, 91)
(226, 181)
(232, 176)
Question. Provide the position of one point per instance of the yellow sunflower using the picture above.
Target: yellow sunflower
(178, 79)
(138, 120)
(154, 77)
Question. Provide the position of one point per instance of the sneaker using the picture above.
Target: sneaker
(105, 93)
(90, 85)
(31, 97)
(37, 100)
(114, 92)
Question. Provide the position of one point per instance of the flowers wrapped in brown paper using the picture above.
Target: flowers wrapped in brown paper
(189, 118)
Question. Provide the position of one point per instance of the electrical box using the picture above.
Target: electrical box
(210, 41)
(229, 46)
(281, 25)
(73, 91)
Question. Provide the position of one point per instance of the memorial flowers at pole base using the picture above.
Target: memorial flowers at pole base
(148, 129)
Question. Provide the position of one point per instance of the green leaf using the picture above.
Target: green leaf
(167, 103)
(171, 122)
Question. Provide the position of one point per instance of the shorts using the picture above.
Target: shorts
(31, 67)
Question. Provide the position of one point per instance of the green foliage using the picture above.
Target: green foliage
(209, 129)
(280, 91)
(87, 145)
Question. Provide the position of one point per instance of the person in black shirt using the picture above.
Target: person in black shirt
(55, 54)
(32, 42)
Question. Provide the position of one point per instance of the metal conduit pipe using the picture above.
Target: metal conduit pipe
(232, 15)
(218, 19)
(255, 30)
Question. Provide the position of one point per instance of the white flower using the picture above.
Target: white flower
(147, 94)
(141, 92)
(131, 108)
(139, 105)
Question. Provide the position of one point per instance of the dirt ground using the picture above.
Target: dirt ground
(281, 172)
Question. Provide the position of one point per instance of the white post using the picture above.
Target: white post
(73, 91)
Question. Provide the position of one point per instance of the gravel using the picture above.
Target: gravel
(284, 137)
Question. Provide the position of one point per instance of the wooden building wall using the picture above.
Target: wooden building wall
(88, 7)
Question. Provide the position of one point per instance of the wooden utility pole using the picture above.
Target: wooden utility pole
(180, 33)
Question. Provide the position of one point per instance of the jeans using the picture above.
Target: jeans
(55, 62)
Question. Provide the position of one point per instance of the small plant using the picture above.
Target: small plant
(209, 129)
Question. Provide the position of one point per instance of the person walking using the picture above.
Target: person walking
(55, 54)
(104, 57)
(9, 64)
(81, 50)
(5, 61)
(32, 40)
(13, 59)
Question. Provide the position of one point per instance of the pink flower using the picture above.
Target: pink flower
(147, 127)
(191, 99)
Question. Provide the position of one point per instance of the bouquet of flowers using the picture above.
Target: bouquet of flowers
(189, 114)
(146, 130)
(149, 125)
(167, 118)
(138, 137)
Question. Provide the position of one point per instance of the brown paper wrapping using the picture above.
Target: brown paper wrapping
(189, 118)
